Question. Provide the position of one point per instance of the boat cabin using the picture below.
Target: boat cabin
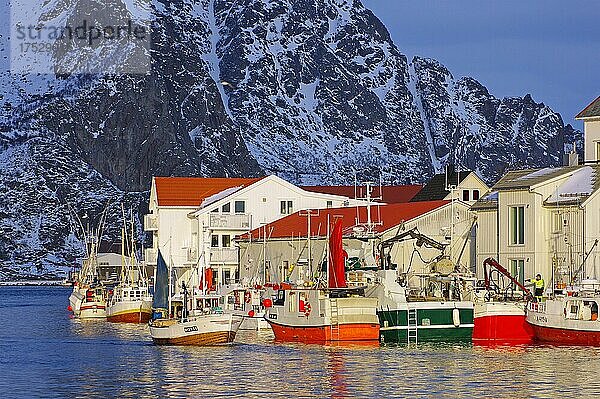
(582, 309)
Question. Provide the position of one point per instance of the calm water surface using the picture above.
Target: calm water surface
(44, 353)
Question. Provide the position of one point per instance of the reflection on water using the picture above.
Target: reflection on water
(43, 353)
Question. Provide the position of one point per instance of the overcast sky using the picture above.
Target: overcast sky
(548, 48)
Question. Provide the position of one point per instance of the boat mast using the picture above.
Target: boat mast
(264, 254)
(327, 252)
(310, 269)
(132, 257)
(170, 272)
(123, 272)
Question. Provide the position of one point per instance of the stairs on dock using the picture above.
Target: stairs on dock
(412, 335)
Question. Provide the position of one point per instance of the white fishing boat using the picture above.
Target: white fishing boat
(195, 319)
(570, 319)
(88, 299)
(130, 300)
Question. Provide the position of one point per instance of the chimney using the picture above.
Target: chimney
(571, 158)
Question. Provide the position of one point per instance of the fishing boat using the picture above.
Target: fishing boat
(570, 319)
(335, 313)
(500, 317)
(569, 314)
(88, 299)
(130, 300)
(186, 319)
(411, 319)
(434, 311)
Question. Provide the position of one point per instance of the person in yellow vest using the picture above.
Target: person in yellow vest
(538, 284)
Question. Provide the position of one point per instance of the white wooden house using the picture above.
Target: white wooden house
(546, 220)
(194, 220)
(464, 185)
(542, 221)
(591, 126)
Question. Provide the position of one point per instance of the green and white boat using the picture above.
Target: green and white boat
(411, 319)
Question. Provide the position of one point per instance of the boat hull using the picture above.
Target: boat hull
(323, 334)
(204, 339)
(92, 310)
(553, 323)
(435, 322)
(129, 312)
(206, 330)
(562, 336)
(501, 323)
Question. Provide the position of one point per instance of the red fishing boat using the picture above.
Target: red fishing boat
(568, 320)
(325, 315)
(500, 318)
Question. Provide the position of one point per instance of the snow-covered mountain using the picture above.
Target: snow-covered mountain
(309, 90)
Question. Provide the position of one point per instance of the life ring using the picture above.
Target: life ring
(247, 297)
(306, 309)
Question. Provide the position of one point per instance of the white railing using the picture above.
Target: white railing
(224, 255)
(220, 221)
(150, 222)
(150, 255)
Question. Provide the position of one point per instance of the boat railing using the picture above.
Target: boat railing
(537, 307)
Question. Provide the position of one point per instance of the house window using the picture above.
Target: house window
(214, 241)
(557, 223)
(465, 195)
(517, 225)
(597, 151)
(517, 269)
(216, 210)
(475, 195)
(286, 207)
(240, 206)
(329, 204)
(227, 276)
(226, 240)
(226, 208)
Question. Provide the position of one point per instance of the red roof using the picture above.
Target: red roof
(191, 191)
(296, 225)
(391, 194)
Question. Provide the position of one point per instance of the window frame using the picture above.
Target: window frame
(516, 225)
(243, 207)
(286, 207)
(466, 195)
(223, 236)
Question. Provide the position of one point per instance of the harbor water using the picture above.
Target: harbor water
(44, 353)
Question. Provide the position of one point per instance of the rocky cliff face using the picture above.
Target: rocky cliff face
(309, 90)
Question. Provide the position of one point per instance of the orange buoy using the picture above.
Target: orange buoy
(251, 313)
(267, 303)
(69, 308)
